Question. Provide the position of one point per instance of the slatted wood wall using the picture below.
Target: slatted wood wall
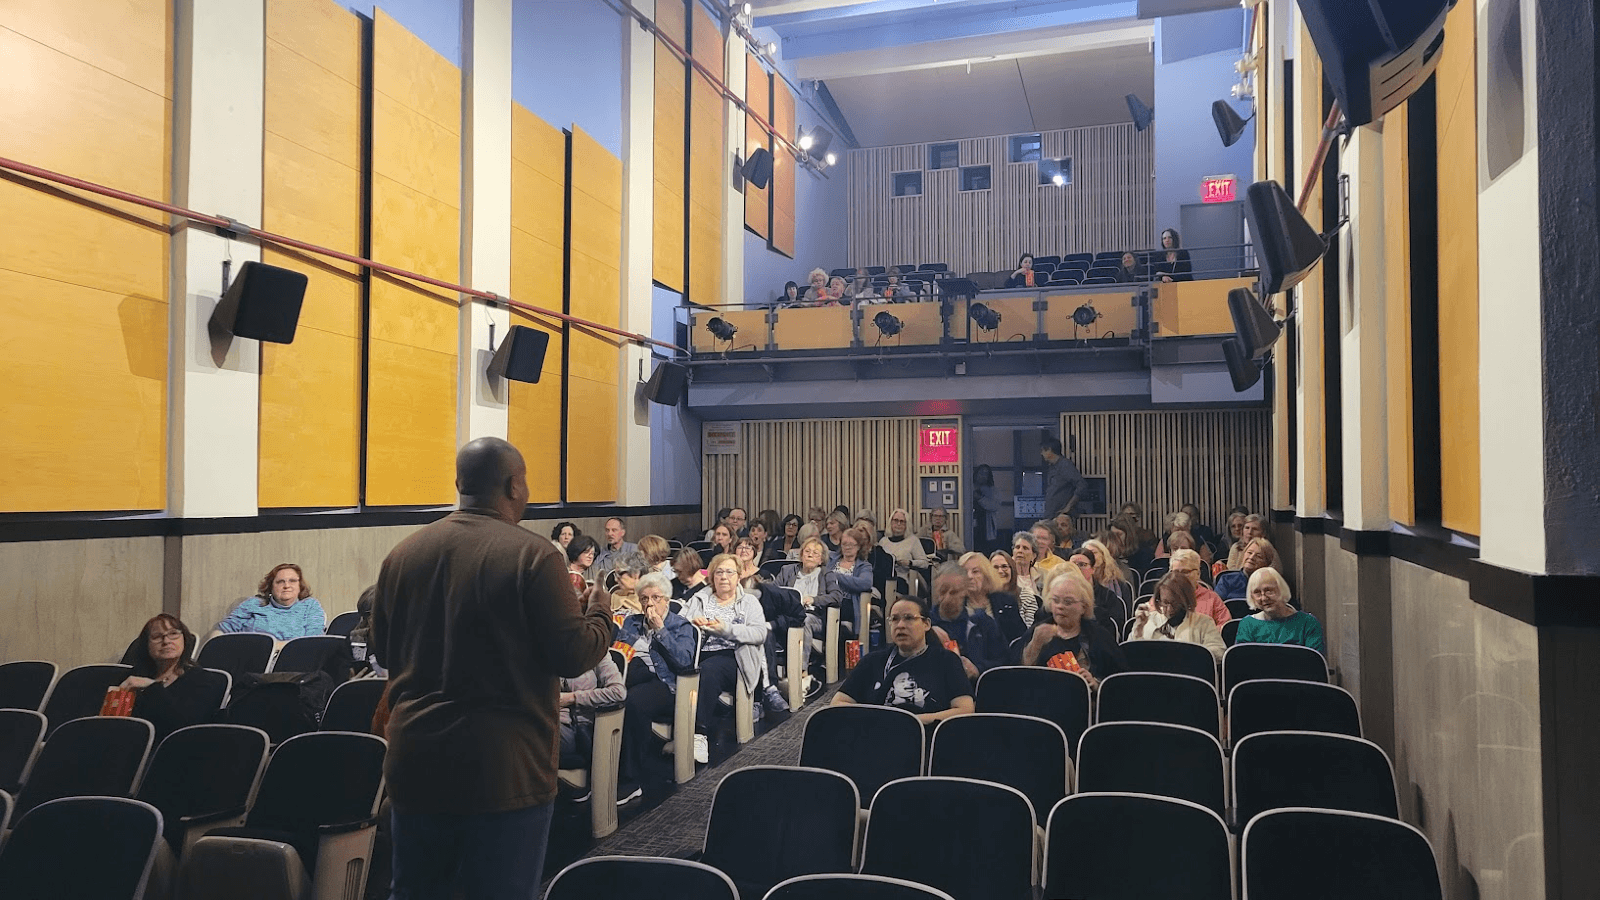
(791, 465)
(1163, 459)
(1110, 204)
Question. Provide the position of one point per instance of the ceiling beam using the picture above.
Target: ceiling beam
(1041, 42)
(941, 23)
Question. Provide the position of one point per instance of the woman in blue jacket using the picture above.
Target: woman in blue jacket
(664, 646)
(850, 568)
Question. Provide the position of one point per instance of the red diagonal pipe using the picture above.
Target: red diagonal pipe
(284, 241)
(1322, 153)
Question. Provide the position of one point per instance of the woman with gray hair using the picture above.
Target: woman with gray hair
(1258, 554)
(625, 572)
(663, 645)
(1277, 622)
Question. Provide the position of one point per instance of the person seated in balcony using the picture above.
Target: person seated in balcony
(1171, 616)
(896, 291)
(1023, 275)
(1259, 554)
(816, 292)
(1131, 270)
(791, 295)
(1172, 262)
(860, 289)
(282, 607)
(1277, 622)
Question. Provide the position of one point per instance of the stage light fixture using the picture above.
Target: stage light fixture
(772, 47)
(721, 329)
(830, 159)
(1085, 315)
(887, 323)
(986, 318)
(1058, 179)
(1142, 115)
(1229, 126)
(816, 141)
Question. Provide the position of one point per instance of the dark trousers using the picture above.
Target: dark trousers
(484, 856)
(577, 743)
(649, 701)
(719, 673)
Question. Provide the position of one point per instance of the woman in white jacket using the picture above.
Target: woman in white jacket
(1174, 619)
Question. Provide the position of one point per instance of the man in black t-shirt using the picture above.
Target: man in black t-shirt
(915, 675)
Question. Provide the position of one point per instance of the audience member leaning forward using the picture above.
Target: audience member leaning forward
(477, 620)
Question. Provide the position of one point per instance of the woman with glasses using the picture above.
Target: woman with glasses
(172, 692)
(787, 544)
(912, 673)
(282, 607)
(663, 645)
(1072, 640)
(1107, 608)
(1172, 617)
(735, 632)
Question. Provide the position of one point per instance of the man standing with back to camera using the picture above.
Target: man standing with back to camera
(476, 619)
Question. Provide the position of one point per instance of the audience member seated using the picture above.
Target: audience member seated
(748, 553)
(1277, 622)
(1068, 537)
(905, 547)
(816, 292)
(663, 644)
(616, 544)
(787, 544)
(1131, 270)
(1107, 608)
(657, 554)
(282, 607)
(1171, 616)
(1228, 540)
(626, 571)
(836, 289)
(731, 657)
(1209, 542)
(815, 524)
(963, 624)
(783, 610)
(1235, 584)
(987, 593)
(791, 294)
(1072, 640)
(1183, 540)
(688, 573)
(1044, 543)
(721, 540)
(758, 534)
(1023, 275)
(1250, 528)
(1029, 577)
(896, 291)
(1172, 264)
(580, 559)
(361, 634)
(1108, 572)
(867, 523)
(563, 534)
(832, 527)
(579, 697)
(1206, 602)
(913, 673)
(1006, 570)
(946, 542)
(818, 587)
(860, 288)
(851, 568)
(172, 692)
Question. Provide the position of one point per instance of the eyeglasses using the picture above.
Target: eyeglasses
(905, 619)
(166, 636)
(726, 572)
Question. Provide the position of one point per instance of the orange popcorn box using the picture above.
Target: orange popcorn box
(1067, 660)
(953, 647)
(625, 649)
(118, 702)
(852, 654)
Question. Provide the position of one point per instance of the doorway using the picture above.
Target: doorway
(1009, 450)
(1214, 234)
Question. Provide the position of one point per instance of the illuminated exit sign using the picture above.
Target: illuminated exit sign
(1218, 189)
(938, 445)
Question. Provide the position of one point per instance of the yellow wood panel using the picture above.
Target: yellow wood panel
(1116, 311)
(535, 411)
(85, 374)
(594, 291)
(705, 258)
(783, 165)
(672, 19)
(538, 144)
(538, 249)
(667, 237)
(538, 203)
(309, 104)
(310, 419)
(751, 325)
(600, 169)
(311, 197)
(758, 96)
(404, 313)
(535, 270)
(707, 47)
(319, 30)
(1194, 307)
(72, 116)
(1458, 275)
(1397, 312)
(411, 425)
(1309, 112)
(591, 441)
(55, 237)
(594, 355)
(811, 329)
(333, 298)
(406, 147)
(129, 40)
(1016, 318)
(406, 69)
(596, 230)
(414, 231)
(667, 228)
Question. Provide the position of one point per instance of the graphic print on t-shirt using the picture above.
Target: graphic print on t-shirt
(904, 691)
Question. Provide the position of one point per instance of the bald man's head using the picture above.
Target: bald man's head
(490, 474)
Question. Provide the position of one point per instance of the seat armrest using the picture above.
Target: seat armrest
(218, 815)
(345, 827)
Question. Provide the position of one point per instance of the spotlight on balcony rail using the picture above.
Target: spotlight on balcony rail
(887, 323)
(1085, 315)
(721, 329)
(986, 318)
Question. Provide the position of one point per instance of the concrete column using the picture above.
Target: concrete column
(214, 382)
(638, 234)
(482, 409)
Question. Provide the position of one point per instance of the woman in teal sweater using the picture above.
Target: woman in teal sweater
(282, 607)
(1277, 622)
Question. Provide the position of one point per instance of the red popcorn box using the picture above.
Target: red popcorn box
(852, 654)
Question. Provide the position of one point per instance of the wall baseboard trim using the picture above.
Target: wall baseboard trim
(22, 528)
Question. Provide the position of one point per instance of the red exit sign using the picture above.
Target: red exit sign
(938, 445)
(1218, 189)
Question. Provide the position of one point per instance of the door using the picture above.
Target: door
(1213, 233)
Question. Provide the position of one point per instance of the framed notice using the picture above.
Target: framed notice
(719, 438)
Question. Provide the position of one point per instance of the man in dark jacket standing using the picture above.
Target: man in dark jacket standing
(476, 619)
(1064, 486)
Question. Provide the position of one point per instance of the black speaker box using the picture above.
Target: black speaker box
(1375, 53)
(262, 302)
(1242, 370)
(666, 383)
(1287, 247)
(1252, 322)
(521, 355)
(758, 168)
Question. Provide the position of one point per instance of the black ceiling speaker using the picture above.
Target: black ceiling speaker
(1142, 115)
(262, 303)
(758, 168)
(1229, 126)
(1252, 322)
(1287, 247)
(521, 355)
(1243, 370)
(1375, 53)
(666, 383)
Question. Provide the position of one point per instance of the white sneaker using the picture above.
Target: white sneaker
(702, 749)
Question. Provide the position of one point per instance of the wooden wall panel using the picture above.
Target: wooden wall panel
(595, 252)
(670, 131)
(784, 170)
(1397, 312)
(416, 224)
(1110, 204)
(1458, 274)
(538, 249)
(791, 465)
(708, 162)
(1161, 459)
(83, 283)
(758, 96)
(310, 414)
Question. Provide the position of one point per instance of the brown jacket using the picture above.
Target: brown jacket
(476, 620)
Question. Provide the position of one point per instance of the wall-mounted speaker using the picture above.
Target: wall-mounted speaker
(1243, 371)
(1252, 322)
(758, 168)
(666, 383)
(1287, 247)
(1375, 53)
(262, 303)
(520, 356)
